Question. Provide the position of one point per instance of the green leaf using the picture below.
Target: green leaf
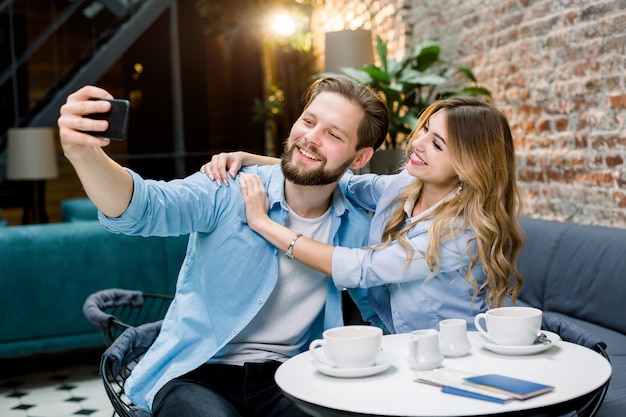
(381, 48)
(474, 91)
(357, 75)
(377, 75)
(425, 54)
(394, 68)
(416, 77)
(467, 72)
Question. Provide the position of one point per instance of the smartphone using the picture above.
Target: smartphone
(117, 118)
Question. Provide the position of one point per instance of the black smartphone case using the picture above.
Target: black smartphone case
(117, 118)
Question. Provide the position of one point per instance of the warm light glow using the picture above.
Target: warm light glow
(138, 70)
(284, 25)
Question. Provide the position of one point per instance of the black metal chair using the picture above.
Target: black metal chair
(129, 322)
(118, 362)
(571, 332)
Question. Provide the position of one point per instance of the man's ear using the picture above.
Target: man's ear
(362, 157)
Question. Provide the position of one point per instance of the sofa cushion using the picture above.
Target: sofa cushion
(575, 270)
(593, 263)
(78, 209)
(535, 259)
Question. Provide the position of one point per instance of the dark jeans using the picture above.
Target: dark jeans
(225, 391)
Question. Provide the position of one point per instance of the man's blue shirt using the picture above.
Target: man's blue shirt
(229, 270)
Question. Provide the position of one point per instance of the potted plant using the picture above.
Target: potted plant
(410, 85)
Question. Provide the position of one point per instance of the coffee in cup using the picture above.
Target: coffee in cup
(510, 326)
(353, 346)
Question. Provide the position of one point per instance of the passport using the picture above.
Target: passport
(520, 389)
(452, 381)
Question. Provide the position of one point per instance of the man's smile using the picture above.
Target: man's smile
(308, 154)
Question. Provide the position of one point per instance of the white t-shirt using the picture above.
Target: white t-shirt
(282, 326)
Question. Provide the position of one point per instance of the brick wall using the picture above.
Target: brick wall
(556, 70)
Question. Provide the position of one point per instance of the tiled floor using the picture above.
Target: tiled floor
(53, 386)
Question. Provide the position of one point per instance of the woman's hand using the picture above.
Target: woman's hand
(255, 198)
(222, 166)
(310, 252)
(228, 164)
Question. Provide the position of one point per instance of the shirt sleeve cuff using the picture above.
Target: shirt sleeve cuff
(346, 267)
(132, 212)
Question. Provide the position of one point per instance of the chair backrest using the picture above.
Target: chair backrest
(115, 310)
(118, 362)
(130, 322)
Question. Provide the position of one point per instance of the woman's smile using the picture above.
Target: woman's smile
(415, 159)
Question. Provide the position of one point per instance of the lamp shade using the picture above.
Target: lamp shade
(31, 153)
(348, 48)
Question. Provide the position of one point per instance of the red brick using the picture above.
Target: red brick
(618, 102)
(543, 126)
(613, 161)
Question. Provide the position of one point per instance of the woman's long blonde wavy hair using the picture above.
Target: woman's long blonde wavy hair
(482, 154)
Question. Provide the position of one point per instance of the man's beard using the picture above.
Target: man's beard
(319, 176)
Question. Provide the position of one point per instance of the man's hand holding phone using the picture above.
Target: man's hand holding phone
(117, 117)
(74, 121)
(105, 181)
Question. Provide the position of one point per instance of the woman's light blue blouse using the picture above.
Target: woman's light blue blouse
(407, 296)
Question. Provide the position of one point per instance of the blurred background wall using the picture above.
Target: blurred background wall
(556, 69)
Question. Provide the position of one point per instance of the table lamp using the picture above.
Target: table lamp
(348, 48)
(31, 156)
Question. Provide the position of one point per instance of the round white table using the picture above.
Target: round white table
(573, 370)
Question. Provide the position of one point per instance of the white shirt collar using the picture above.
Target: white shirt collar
(410, 203)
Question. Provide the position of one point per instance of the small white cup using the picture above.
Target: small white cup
(510, 326)
(348, 346)
(424, 350)
(453, 340)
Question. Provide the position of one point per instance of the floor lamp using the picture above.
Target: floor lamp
(31, 157)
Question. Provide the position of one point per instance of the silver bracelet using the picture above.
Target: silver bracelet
(289, 253)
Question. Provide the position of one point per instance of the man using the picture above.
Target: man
(241, 306)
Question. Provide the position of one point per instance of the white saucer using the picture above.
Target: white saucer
(385, 359)
(520, 350)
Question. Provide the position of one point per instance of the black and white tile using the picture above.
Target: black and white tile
(56, 387)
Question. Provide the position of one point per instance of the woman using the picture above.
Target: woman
(444, 237)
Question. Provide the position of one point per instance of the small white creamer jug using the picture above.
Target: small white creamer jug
(424, 352)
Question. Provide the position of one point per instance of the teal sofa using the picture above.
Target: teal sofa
(47, 271)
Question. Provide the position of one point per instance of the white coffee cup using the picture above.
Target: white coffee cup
(453, 340)
(352, 346)
(510, 326)
(424, 350)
